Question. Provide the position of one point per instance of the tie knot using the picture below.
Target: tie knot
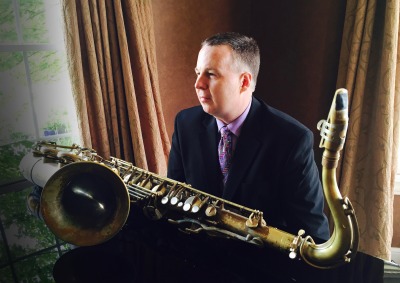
(225, 131)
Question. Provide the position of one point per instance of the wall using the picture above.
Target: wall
(301, 42)
(396, 222)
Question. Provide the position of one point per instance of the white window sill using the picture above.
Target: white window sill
(397, 186)
(395, 255)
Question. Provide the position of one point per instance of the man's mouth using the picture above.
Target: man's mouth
(204, 99)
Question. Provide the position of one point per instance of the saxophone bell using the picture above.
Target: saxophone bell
(85, 203)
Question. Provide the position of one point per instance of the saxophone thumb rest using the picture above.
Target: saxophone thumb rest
(86, 199)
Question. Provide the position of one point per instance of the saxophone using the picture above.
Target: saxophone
(86, 199)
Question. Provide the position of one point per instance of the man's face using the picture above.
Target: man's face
(218, 83)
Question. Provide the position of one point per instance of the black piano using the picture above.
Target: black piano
(156, 251)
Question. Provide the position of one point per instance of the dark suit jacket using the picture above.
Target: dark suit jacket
(273, 168)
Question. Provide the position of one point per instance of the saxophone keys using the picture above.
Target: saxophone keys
(177, 197)
(296, 243)
(292, 255)
(152, 212)
(49, 154)
(211, 211)
(159, 189)
(196, 208)
(197, 204)
(155, 188)
(256, 220)
(263, 223)
(174, 200)
(146, 183)
(37, 153)
(68, 157)
(189, 202)
(134, 178)
(164, 200)
(170, 194)
(127, 172)
(251, 222)
(249, 237)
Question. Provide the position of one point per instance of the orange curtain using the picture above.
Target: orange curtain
(111, 50)
(369, 69)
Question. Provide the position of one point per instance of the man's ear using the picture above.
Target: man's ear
(245, 81)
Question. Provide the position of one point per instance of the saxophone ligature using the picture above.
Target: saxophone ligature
(86, 199)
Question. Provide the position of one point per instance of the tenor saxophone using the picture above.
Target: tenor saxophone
(86, 199)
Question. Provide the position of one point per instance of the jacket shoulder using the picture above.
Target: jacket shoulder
(282, 122)
(190, 113)
(192, 118)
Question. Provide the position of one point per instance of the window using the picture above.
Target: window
(35, 91)
(37, 104)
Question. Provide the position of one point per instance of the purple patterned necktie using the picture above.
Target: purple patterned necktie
(225, 151)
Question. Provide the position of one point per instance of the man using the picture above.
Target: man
(264, 161)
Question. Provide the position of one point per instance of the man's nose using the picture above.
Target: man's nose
(200, 83)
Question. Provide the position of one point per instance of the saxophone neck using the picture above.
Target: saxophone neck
(343, 244)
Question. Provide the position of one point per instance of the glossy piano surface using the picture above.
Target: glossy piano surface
(157, 252)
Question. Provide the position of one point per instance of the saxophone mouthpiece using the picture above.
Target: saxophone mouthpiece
(333, 129)
(342, 98)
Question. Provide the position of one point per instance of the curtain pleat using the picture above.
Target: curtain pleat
(113, 69)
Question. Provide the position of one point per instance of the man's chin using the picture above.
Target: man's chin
(207, 108)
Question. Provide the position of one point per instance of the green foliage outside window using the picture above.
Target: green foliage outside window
(8, 60)
(7, 32)
(6, 275)
(10, 156)
(35, 97)
(38, 269)
(32, 16)
(25, 235)
(46, 65)
(32, 21)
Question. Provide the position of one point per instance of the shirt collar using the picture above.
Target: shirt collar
(236, 125)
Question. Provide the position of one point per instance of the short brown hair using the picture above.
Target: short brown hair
(245, 49)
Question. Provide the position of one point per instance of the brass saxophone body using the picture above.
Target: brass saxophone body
(86, 199)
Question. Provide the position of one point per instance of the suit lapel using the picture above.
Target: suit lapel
(246, 150)
(209, 145)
